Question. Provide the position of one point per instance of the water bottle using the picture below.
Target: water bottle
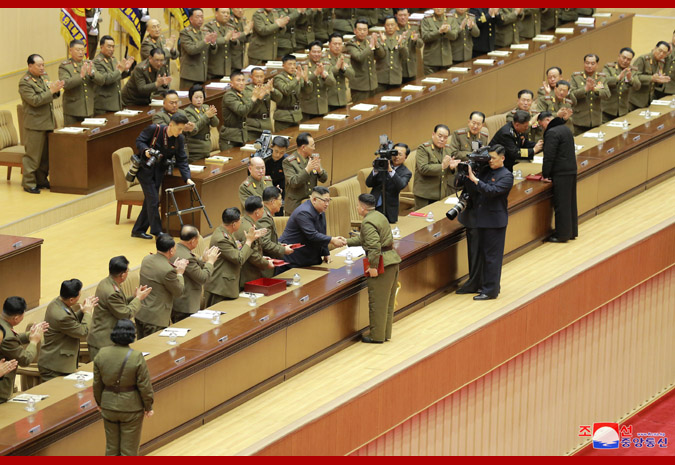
(625, 124)
(252, 299)
(349, 258)
(648, 114)
(172, 338)
(30, 404)
(396, 232)
(80, 382)
(601, 136)
(296, 279)
(430, 217)
(215, 318)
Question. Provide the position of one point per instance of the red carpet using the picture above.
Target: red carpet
(657, 418)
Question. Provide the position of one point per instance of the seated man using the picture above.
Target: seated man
(394, 179)
(307, 226)
(256, 264)
(553, 75)
(147, 80)
(302, 171)
(256, 182)
(466, 140)
(270, 242)
(525, 101)
(512, 137)
(292, 83)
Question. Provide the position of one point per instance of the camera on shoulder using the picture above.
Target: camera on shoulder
(384, 154)
(478, 160)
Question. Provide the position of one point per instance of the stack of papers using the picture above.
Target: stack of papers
(602, 15)
(196, 168)
(156, 103)
(390, 98)
(499, 53)
(183, 93)
(356, 252)
(376, 29)
(128, 112)
(347, 37)
(577, 148)
(225, 79)
(214, 159)
(411, 88)
(94, 122)
(591, 135)
(247, 295)
(484, 62)
(301, 56)
(248, 148)
(87, 375)
(564, 30)
(434, 80)
(543, 38)
(652, 113)
(206, 314)
(217, 85)
(179, 332)
(24, 398)
(363, 107)
(585, 21)
(660, 102)
(274, 64)
(615, 124)
(416, 17)
(520, 46)
(459, 70)
(70, 130)
(336, 116)
(310, 127)
(452, 200)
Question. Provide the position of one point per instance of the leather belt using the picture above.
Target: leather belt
(119, 389)
(295, 107)
(387, 248)
(202, 137)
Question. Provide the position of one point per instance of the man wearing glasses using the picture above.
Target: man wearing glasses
(307, 226)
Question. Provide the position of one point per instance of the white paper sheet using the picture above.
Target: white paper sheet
(411, 88)
(88, 376)
(356, 252)
(180, 332)
(363, 107)
(390, 98)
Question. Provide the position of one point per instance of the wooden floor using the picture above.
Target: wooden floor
(352, 370)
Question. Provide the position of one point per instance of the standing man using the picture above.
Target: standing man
(270, 242)
(287, 43)
(219, 62)
(238, 42)
(260, 117)
(486, 19)
(79, 77)
(22, 347)
(267, 29)
(167, 283)
(304, 29)
(390, 67)
(651, 71)
(60, 352)
(274, 164)
(553, 75)
(113, 305)
(492, 216)
(302, 171)
(323, 23)
(414, 42)
(621, 82)
(37, 97)
(589, 88)
(378, 244)
(506, 32)
(224, 282)
(148, 79)
(108, 94)
(513, 138)
(155, 40)
(307, 226)
(341, 70)
(434, 177)
(363, 52)
(438, 32)
(315, 103)
(560, 167)
(394, 180)
(256, 264)
(530, 24)
(194, 48)
(291, 83)
(559, 103)
(466, 140)
(170, 142)
(197, 273)
(256, 182)
(235, 110)
(462, 46)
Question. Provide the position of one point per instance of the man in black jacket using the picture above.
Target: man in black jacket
(396, 178)
(513, 137)
(492, 216)
(486, 20)
(560, 167)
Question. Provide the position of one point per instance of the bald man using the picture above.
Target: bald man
(256, 182)
(154, 39)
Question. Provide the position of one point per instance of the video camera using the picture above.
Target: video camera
(137, 160)
(478, 160)
(384, 154)
(262, 145)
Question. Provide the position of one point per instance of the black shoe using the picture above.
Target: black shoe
(44, 186)
(483, 297)
(556, 240)
(32, 190)
(463, 290)
(368, 340)
(141, 235)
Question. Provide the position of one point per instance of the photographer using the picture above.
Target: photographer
(394, 179)
(490, 204)
(169, 142)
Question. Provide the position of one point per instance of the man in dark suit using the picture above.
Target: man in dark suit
(560, 167)
(492, 216)
(307, 225)
(513, 138)
(395, 179)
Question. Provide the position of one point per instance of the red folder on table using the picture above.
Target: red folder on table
(534, 177)
(366, 266)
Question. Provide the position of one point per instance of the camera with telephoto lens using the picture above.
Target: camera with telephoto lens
(137, 161)
(262, 145)
(478, 160)
(384, 154)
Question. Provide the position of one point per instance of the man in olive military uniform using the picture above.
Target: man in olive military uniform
(197, 272)
(146, 80)
(486, 19)
(315, 103)
(525, 101)
(170, 108)
(651, 71)
(411, 34)
(341, 70)
(364, 52)
(560, 103)
(323, 23)
(256, 182)
(378, 243)
(224, 282)
(304, 28)
(219, 62)
(113, 305)
(22, 347)
(669, 69)
(203, 117)
(60, 352)
(167, 283)
(621, 80)
(79, 77)
(462, 46)
(256, 264)
(155, 40)
(390, 67)
(287, 43)
(530, 25)
(108, 95)
(271, 246)
(553, 75)
(345, 19)
(37, 97)
(259, 119)
(195, 46)
(434, 176)
(568, 15)
(264, 43)
(291, 83)
(235, 109)
(303, 172)
(463, 140)
(506, 31)
(589, 88)
(438, 32)
(238, 42)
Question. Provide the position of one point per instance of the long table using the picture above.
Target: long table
(80, 164)
(20, 259)
(252, 349)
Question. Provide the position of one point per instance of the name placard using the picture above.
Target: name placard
(500, 62)
(583, 31)
(478, 70)
(95, 130)
(124, 121)
(264, 319)
(660, 126)
(340, 281)
(604, 23)
(528, 191)
(437, 234)
(215, 171)
(244, 161)
(304, 299)
(454, 80)
(85, 405)
(583, 163)
(222, 339)
(330, 128)
(432, 88)
(610, 151)
(152, 112)
(179, 360)
(383, 107)
(563, 39)
(408, 98)
(521, 55)
(35, 429)
(357, 117)
(542, 46)
(636, 138)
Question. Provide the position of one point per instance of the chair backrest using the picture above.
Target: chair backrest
(201, 247)
(8, 135)
(280, 224)
(351, 189)
(215, 135)
(131, 283)
(494, 123)
(58, 116)
(362, 175)
(338, 222)
(411, 164)
(121, 161)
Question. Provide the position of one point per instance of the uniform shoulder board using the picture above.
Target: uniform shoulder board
(568, 100)
(65, 62)
(290, 158)
(447, 145)
(426, 144)
(26, 77)
(541, 88)
(268, 178)
(484, 132)
(548, 97)
(247, 183)
(577, 73)
(260, 10)
(513, 112)
(611, 64)
(459, 132)
(602, 74)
